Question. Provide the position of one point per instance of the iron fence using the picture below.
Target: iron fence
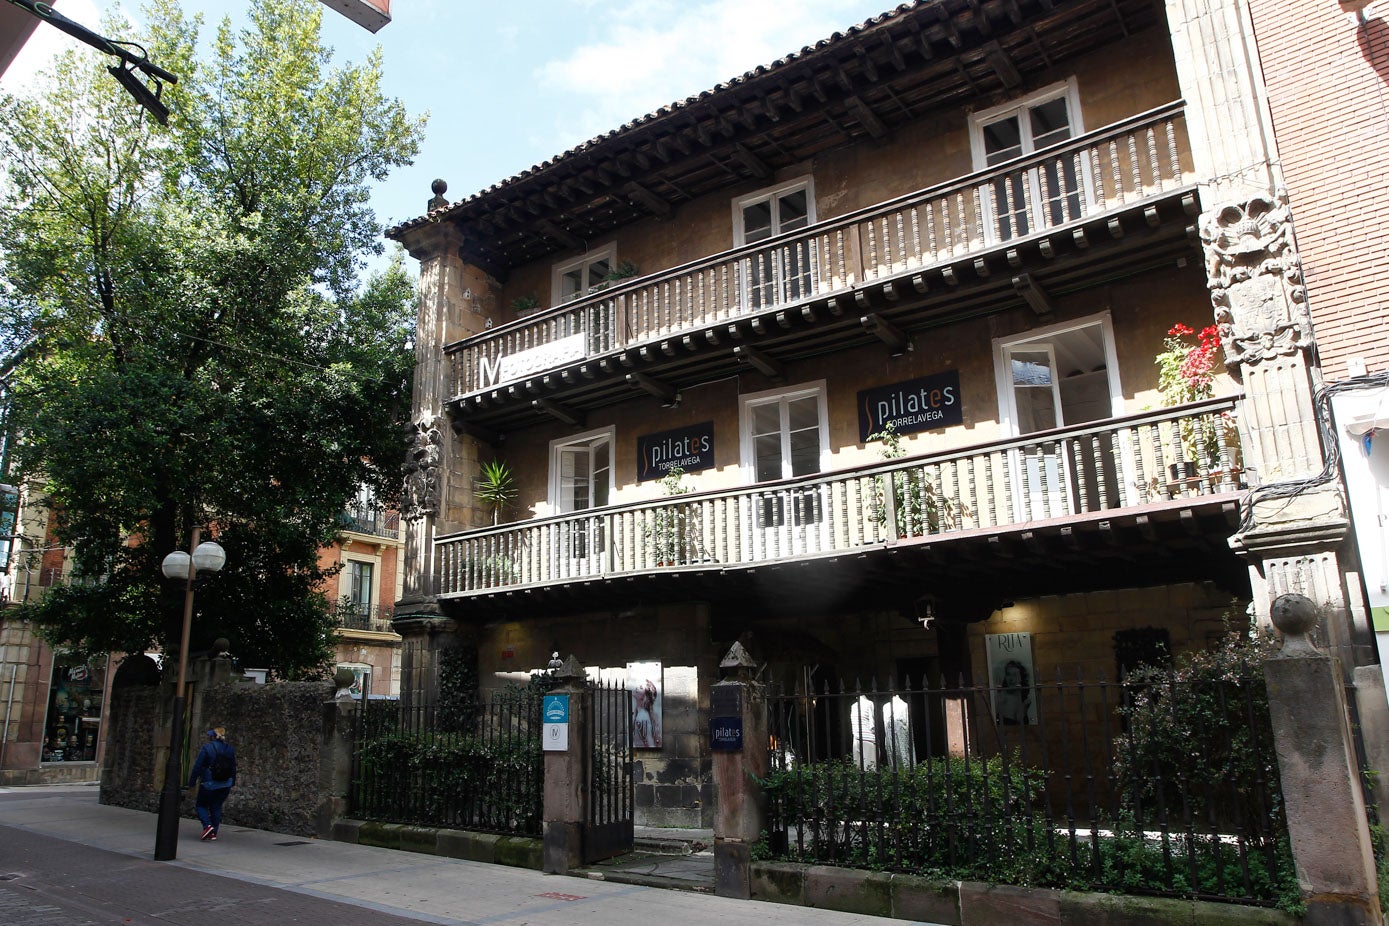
(1086, 786)
(474, 766)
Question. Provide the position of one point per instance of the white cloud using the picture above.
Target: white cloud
(649, 53)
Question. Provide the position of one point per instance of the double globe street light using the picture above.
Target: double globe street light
(207, 556)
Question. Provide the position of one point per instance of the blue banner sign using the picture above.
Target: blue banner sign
(555, 709)
(691, 448)
(921, 404)
(725, 733)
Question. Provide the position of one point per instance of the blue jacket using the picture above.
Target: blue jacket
(202, 766)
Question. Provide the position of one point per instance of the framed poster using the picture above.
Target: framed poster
(644, 682)
(1012, 678)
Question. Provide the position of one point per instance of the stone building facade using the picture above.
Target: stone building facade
(976, 223)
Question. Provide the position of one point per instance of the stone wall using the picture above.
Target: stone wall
(285, 748)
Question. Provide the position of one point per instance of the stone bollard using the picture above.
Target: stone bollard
(738, 738)
(1321, 781)
(339, 730)
(566, 770)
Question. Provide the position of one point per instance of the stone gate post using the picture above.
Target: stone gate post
(566, 769)
(738, 738)
(1320, 776)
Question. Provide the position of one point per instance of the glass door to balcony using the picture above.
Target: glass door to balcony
(583, 482)
(1056, 380)
(775, 275)
(1020, 202)
(785, 438)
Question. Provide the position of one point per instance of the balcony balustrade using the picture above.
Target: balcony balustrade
(1187, 453)
(351, 615)
(372, 521)
(1102, 173)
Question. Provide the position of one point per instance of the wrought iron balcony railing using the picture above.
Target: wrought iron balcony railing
(1121, 463)
(373, 521)
(353, 616)
(1133, 162)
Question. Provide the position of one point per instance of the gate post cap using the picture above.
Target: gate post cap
(737, 663)
(1295, 616)
(570, 668)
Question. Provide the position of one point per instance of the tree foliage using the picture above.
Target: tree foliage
(189, 342)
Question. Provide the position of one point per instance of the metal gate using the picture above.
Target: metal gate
(611, 790)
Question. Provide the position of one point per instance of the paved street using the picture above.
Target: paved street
(66, 860)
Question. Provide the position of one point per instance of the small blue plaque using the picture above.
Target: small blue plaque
(555, 709)
(726, 733)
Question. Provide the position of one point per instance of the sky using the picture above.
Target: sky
(509, 85)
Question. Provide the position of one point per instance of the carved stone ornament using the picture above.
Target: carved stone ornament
(421, 497)
(1255, 279)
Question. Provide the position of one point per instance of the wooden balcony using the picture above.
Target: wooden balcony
(1140, 471)
(983, 230)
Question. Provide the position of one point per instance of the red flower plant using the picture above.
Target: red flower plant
(1186, 371)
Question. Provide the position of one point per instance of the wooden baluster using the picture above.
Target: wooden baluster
(1120, 194)
(1174, 160)
(1102, 485)
(1043, 221)
(1135, 166)
(1097, 177)
(1078, 459)
(1150, 135)
(915, 251)
(872, 268)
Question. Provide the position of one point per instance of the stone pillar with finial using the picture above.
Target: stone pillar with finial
(1320, 775)
(457, 300)
(566, 771)
(739, 740)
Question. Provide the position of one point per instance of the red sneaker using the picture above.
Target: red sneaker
(208, 832)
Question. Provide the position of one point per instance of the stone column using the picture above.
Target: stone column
(335, 756)
(1320, 776)
(566, 777)
(456, 300)
(738, 733)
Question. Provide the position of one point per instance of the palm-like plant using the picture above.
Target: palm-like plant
(496, 487)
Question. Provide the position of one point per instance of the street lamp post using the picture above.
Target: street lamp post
(204, 557)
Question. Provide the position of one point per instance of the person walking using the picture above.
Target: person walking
(214, 771)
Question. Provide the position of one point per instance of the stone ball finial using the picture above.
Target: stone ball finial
(221, 647)
(1295, 616)
(342, 681)
(437, 201)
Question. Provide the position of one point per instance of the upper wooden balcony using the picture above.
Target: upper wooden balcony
(1031, 514)
(987, 241)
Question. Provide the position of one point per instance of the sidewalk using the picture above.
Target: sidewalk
(423, 887)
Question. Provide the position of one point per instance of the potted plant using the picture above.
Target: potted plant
(667, 534)
(918, 509)
(496, 487)
(1186, 373)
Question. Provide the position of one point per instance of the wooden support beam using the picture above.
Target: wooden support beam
(895, 338)
(554, 409)
(551, 230)
(1003, 65)
(751, 162)
(463, 426)
(866, 117)
(641, 196)
(1032, 293)
(664, 391)
(753, 357)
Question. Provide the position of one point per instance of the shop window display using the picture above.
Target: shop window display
(74, 712)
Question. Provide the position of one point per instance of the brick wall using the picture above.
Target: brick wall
(1326, 77)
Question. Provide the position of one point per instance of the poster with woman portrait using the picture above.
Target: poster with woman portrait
(644, 682)
(1012, 678)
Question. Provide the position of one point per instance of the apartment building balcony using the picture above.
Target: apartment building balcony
(1114, 201)
(373, 522)
(351, 615)
(1129, 501)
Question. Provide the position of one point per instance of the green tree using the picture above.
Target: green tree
(188, 341)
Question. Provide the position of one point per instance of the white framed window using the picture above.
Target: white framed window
(581, 471)
(775, 275)
(777, 210)
(785, 433)
(1022, 202)
(582, 275)
(1061, 376)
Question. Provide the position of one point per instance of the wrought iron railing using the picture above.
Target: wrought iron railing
(374, 521)
(1122, 463)
(351, 615)
(1058, 783)
(476, 766)
(1132, 162)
